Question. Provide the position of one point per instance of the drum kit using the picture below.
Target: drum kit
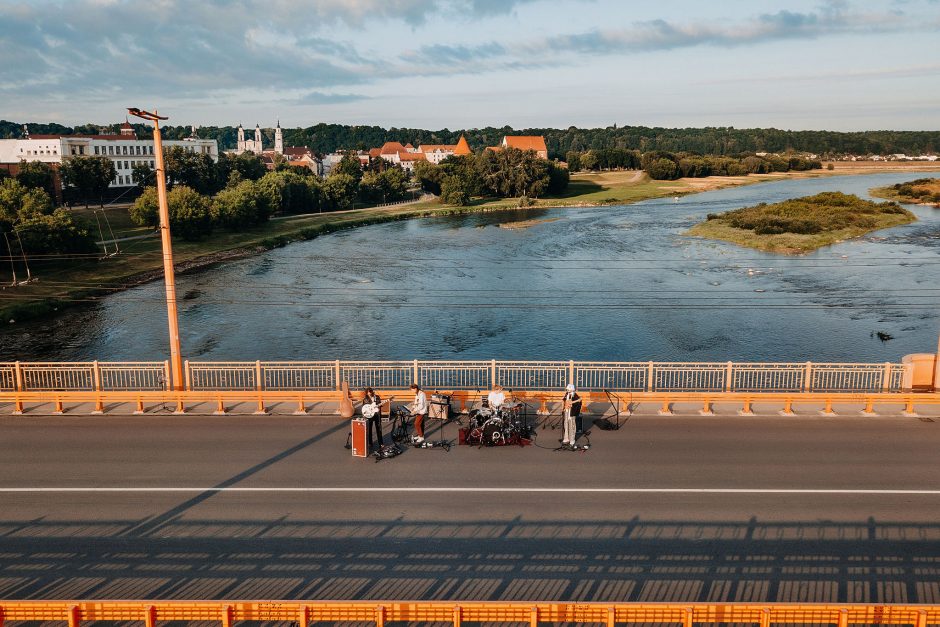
(498, 426)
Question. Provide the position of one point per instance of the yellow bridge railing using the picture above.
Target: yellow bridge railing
(596, 376)
(380, 612)
(304, 382)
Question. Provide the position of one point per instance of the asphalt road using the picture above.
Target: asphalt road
(665, 509)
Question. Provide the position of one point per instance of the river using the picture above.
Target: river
(609, 283)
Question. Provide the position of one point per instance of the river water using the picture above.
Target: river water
(609, 283)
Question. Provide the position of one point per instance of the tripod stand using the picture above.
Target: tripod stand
(605, 424)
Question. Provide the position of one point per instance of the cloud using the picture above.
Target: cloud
(320, 98)
(227, 51)
(831, 19)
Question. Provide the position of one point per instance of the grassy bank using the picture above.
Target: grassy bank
(920, 192)
(802, 224)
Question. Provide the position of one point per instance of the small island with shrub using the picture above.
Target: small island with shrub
(920, 191)
(803, 224)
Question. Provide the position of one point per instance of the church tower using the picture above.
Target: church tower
(257, 139)
(278, 139)
(241, 139)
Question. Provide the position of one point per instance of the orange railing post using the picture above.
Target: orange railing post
(18, 377)
(75, 616)
(379, 616)
(746, 410)
(301, 407)
(150, 617)
(456, 616)
(228, 617)
(534, 617)
(58, 406)
(96, 374)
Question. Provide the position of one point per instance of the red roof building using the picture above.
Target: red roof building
(523, 142)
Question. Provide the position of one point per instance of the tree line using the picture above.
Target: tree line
(724, 141)
(508, 173)
(238, 191)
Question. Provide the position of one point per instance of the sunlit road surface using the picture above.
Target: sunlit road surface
(726, 508)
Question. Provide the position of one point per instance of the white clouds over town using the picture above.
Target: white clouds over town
(431, 63)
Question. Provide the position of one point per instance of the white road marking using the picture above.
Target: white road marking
(834, 491)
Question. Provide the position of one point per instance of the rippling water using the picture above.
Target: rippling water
(609, 283)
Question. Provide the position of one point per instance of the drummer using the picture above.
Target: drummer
(496, 398)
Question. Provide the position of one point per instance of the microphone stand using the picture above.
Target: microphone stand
(441, 443)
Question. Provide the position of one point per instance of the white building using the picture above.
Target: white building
(125, 150)
(435, 153)
(256, 145)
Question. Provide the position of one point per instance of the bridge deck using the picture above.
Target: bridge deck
(679, 509)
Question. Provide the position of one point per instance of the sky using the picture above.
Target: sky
(793, 64)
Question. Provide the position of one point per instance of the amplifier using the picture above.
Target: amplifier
(360, 439)
(439, 407)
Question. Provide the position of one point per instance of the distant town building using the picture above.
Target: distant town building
(256, 145)
(330, 160)
(393, 152)
(301, 156)
(124, 149)
(462, 148)
(435, 153)
(523, 142)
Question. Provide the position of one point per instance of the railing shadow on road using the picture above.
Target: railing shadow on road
(632, 560)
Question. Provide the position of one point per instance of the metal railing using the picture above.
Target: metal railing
(750, 377)
(304, 613)
(83, 376)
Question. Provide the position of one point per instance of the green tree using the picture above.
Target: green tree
(455, 191)
(429, 176)
(663, 169)
(190, 213)
(195, 170)
(339, 191)
(389, 185)
(299, 193)
(90, 176)
(271, 195)
(143, 174)
(54, 233)
(574, 160)
(241, 206)
(36, 174)
(18, 203)
(146, 211)
(349, 165)
(589, 160)
(558, 178)
(246, 166)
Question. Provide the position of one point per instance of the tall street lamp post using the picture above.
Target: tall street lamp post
(176, 359)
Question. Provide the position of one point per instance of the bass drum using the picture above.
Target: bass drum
(493, 432)
(479, 417)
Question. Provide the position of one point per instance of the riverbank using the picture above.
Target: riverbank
(84, 280)
(801, 225)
